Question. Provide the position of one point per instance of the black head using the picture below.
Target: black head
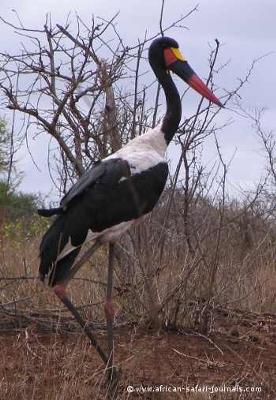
(165, 56)
(156, 50)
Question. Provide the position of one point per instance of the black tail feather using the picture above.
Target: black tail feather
(62, 268)
(51, 245)
(44, 212)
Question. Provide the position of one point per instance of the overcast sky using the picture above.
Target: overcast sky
(246, 29)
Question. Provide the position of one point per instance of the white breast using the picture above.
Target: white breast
(144, 151)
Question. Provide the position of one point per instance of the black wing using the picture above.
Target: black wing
(115, 196)
(111, 171)
(114, 168)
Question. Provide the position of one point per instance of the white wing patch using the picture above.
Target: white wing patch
(66, 250)
(109, 234)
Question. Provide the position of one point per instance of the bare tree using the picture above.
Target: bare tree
(67, 82)
(83, 86)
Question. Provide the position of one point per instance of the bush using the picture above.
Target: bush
(18, 217)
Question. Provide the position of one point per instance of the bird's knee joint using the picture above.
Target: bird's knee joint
(60, 290)
(109, 310)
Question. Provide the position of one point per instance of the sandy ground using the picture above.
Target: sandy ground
(35, 365)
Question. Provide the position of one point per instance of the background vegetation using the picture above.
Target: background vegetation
(200, 254)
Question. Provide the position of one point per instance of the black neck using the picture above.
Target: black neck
(173, 113)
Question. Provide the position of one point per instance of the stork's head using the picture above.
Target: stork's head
(164, 52)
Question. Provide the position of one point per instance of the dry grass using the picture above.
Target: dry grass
(36, 366)
(226, 338)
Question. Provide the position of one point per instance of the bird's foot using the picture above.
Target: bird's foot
(113, 375)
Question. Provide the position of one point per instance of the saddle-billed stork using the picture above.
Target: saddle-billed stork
(117, 191)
